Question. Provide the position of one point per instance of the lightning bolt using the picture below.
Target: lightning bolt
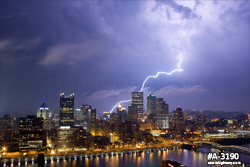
(150, 76)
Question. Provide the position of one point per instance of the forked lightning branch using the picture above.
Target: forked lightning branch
(151, 76)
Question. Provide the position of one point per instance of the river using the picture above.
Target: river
(154, 159)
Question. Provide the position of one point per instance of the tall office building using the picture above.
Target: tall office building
(45, 113)
(86, 118)
(32, 134)
(66, 114)
(106, 116)
(113, 117)
(121, 113)
(137, 99)
(132, 113)
(81, 140)
(151, 106)
(162, 117)
(91, 121)
(65, 138)
(78, 117)
(82, 116)
(178, 120)
(119, 108)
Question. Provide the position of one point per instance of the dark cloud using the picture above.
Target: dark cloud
(83, 19)
(101, 49)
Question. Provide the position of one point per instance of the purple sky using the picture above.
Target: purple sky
(104, 50)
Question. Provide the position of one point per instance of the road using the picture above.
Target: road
(32, 154)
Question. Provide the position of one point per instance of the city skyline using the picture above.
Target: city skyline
(102, 52)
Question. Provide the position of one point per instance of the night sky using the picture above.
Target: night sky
(103, 50)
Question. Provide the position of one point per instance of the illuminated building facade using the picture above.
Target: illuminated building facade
(121, 113)
(81, 138)
(148, 124)
(113, 117)
(91, 119)
(66, 114)
(82, 120)
(132, 113)
(45, 113)
(106, 116)
(137, 99)
(162, 117)
(65, 138)
(178, 120)
(32, 135)
(151, 106)
(78, 117)
(99, 128)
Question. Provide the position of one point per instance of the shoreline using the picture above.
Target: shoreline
(18, 155)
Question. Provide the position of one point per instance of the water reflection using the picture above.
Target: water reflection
(97, 161)
(145, 159)
(87, 161)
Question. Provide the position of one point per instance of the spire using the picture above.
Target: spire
(44, 105)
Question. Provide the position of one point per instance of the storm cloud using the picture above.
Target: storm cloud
(100, 50)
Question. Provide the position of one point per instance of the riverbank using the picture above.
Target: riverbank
(34, 154)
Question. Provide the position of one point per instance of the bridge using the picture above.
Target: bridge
(239, 149)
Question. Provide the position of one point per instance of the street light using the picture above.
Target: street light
(52, 152)
(4, 149)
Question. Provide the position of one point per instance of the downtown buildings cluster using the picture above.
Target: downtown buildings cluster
(81, 129)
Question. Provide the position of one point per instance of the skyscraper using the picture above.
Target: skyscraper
(106, 116)
(113, 117)
(83, 116)
(78, 117)
(91, 121)
(119, 108)
(178, 120)
(45, 113)
(151, 106)
(66, 114)
(121, 113)
(137, 99)
(162, 117)
(32, 135)
(87, 118)
(132, 113)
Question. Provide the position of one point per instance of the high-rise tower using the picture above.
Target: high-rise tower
(91, 121)
(151, 106)
(45, 113)
(84, 116)
(162, 117)
(121, 113)
(66, 114)
(132, 113)
(137, 99)
(178, 120)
